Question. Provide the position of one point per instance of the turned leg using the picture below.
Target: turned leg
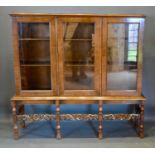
(100, 118)
(58, 128)
(141, 124)
(15, 123)
(22, 112)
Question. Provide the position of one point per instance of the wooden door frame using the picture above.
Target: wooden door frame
(17, 72)
(112, 20)
(97, 76)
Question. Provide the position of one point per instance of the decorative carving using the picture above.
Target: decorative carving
(119, 116)
(37, 117)
(79, 117)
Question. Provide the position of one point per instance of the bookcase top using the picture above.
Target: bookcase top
(93, 15)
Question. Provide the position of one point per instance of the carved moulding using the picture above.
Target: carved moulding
(39, 117)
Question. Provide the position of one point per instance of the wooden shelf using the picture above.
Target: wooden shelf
(34, 39)
(88, 65)
(16, 14)
(77, 39)
(127, 38)
(34, 65)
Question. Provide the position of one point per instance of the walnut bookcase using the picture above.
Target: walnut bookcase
(77, 58)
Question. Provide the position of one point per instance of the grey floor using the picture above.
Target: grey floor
(77, 134)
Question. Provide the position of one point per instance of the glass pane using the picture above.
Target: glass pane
(35, 77)
(133, 27)
(79, 56)
(33, 30)
(122, 56)
(34, 52)
(132, 46)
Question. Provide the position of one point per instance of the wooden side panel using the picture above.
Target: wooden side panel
(16, 56)
(140, 56)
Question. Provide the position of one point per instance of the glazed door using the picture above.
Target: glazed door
(122, 56)
(79, 50)
(34, 58)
